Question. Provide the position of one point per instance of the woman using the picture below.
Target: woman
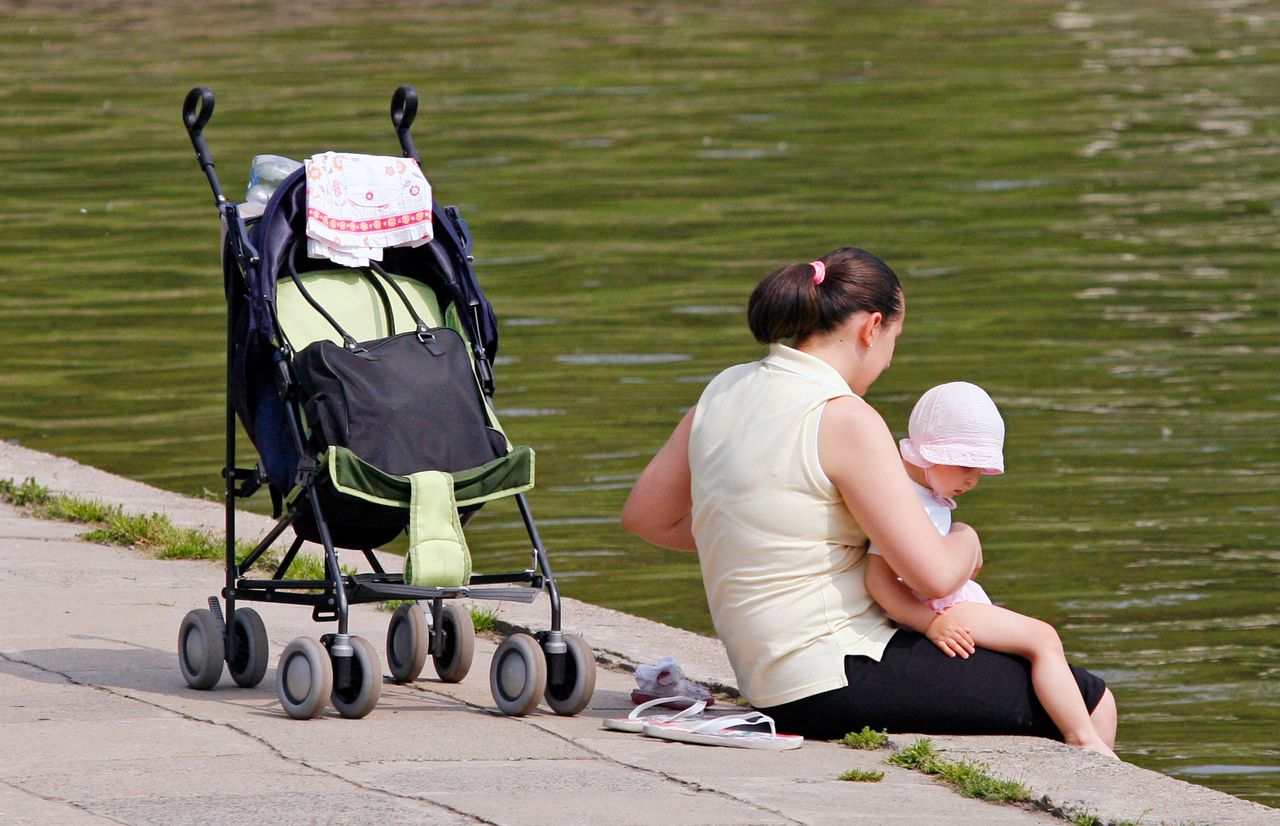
(778, 477)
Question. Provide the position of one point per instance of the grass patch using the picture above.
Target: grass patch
(484, 619)
(866, 739)
(969, 778)
(22, 493)
(1090, 819)
(154, 533)
(862, 776)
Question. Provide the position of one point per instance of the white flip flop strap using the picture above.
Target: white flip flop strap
(719, 724)
(695, 707)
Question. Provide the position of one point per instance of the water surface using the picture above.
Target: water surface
(1080, 198)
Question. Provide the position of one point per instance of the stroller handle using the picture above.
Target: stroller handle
(404, 108)
(196, 111)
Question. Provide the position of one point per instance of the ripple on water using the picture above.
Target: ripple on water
(528, 412)
(707, 309)
(591, 143)
(628, 359)
(745, 154)
(1227, 768)
(1002, 185)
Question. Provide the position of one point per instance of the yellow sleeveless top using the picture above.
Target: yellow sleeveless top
(782, 558)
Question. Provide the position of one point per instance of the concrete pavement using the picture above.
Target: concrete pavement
(97, 724)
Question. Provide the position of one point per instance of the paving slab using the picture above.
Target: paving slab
(98, 726)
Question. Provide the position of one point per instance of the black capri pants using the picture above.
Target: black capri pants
(917, 688)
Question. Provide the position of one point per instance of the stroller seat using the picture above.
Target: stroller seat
(353, 464)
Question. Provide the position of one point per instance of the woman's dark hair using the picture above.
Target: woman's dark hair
(791, 304)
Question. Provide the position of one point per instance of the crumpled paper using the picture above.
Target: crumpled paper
(665, 679)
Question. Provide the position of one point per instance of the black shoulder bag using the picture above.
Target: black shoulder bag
(403, 403)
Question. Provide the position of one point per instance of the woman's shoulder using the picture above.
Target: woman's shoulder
(852, 411)
(853, 432)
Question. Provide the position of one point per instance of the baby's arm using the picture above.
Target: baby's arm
(898, 602)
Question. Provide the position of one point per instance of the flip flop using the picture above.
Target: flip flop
(668, 700)
(733, 731)
(635, 721)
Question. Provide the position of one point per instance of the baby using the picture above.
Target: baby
(955, 436)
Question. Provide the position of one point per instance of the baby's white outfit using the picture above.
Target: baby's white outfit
(939, 511)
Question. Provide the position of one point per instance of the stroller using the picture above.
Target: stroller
(421, 452)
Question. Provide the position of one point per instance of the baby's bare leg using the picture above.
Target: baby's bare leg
(1000, 629)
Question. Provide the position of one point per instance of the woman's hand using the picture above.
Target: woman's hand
(949, 635)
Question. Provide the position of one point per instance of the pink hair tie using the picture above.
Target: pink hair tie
(819, 272)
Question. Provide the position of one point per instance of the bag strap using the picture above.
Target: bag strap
(423, 327)
(348, 341)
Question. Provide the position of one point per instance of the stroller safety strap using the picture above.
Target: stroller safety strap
(438, 555)
(504, 476)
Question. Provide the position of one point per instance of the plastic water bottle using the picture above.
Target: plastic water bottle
(267, 173)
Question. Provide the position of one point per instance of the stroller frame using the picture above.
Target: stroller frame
(553, 664)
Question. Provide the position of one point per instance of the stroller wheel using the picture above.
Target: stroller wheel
(407, 639)
(200, 649)
(358, 699)
(518, 676)
(571, 695)
(249, 665)
(304, 678)
(459, 644)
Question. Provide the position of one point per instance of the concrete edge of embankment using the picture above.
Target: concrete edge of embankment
(1062, 780)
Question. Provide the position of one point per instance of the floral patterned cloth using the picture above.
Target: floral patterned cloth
(357, 205)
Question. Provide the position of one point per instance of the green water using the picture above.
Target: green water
(1079, 196)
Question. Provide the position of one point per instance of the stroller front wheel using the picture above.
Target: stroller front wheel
(200, 649)
(518, 676)
(304, 678)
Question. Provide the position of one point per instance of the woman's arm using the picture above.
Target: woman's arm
(898, 602)
(660, 507)
(858, 455)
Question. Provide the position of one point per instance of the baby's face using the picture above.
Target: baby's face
(952, 480)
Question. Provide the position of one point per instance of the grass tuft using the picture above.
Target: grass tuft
(153, 532)
(866, 739)
(969, 778)
(484, 619)
(861, 776)
(24, 493)
(71, 509)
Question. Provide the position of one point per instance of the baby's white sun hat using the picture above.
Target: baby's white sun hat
(955, 423)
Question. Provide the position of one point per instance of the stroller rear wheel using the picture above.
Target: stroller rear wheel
(200, 649)
(571, 695)
(458, 647)
(304, 678)
(249, 665)
(407, 640)
(518, 676)
(358, 699)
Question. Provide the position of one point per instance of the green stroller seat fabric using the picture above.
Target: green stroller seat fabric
(438, 555)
